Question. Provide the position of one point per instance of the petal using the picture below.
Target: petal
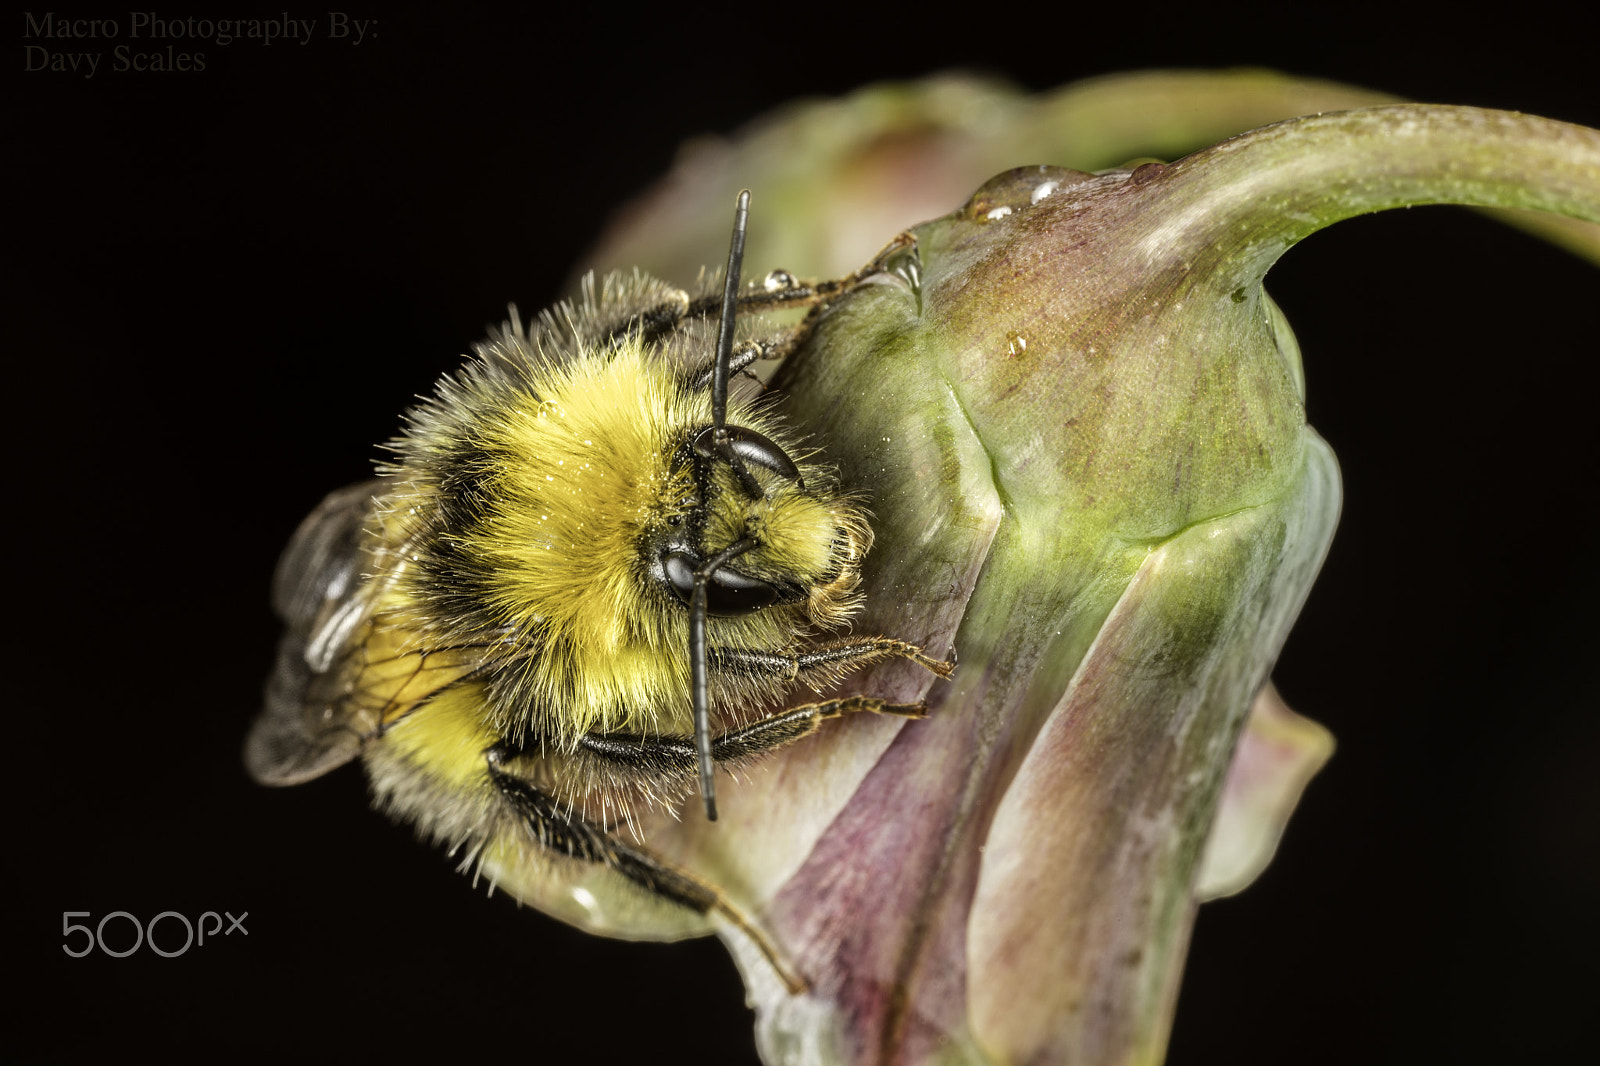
(1277, 756)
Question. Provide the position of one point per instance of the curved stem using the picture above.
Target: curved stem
(1237, 206)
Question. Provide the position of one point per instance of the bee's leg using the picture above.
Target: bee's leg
(780, 291)
(783, 290)
(652, 323)
(676, 757)
(785, 728)
(564, 831)
(826, 663)
(742, 356)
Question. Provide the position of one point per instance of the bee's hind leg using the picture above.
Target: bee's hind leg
(564, 831)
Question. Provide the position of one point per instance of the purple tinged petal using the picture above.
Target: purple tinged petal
(1277, 756)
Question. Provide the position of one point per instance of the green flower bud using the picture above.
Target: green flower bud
(1081, 424)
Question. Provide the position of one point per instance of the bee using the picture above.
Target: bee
(580, 584)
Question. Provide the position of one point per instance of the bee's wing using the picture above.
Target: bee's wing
(305, 728)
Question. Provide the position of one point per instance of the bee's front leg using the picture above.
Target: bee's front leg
(675, 756)
(824, 664)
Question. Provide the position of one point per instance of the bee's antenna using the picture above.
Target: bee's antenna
(697, 668)
(702, 695)
(721, 443)
(730, 298)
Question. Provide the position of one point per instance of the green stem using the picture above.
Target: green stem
(1236, 207)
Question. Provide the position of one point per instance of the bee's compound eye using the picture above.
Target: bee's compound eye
(753, 448)
(727, 593)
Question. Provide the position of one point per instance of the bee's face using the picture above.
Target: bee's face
(804, 545)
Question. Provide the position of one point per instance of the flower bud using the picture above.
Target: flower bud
(1080, 423)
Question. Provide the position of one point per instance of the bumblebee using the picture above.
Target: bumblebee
(578, 585)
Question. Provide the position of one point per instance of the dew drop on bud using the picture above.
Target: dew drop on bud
(1147, 172)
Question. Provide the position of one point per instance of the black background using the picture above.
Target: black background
(228, 284)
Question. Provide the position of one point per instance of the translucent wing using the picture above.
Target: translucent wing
(307, 727)
(349, 663)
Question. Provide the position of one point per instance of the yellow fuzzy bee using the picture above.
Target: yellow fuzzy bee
(581, 583)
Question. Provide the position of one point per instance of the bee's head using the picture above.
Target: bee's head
(779, 543)
(759, 540)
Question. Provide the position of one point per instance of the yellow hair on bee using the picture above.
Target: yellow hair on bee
(544, 481)
(588, 470)
(450, 732)
(588, 474)
(796, 533)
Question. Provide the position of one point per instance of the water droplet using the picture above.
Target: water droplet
(778, 281)
(1016, 344)
(906, 264)
(1147, 172)
(1018, 188)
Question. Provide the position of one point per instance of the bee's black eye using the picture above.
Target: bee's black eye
(728, 592)
(753, 448)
